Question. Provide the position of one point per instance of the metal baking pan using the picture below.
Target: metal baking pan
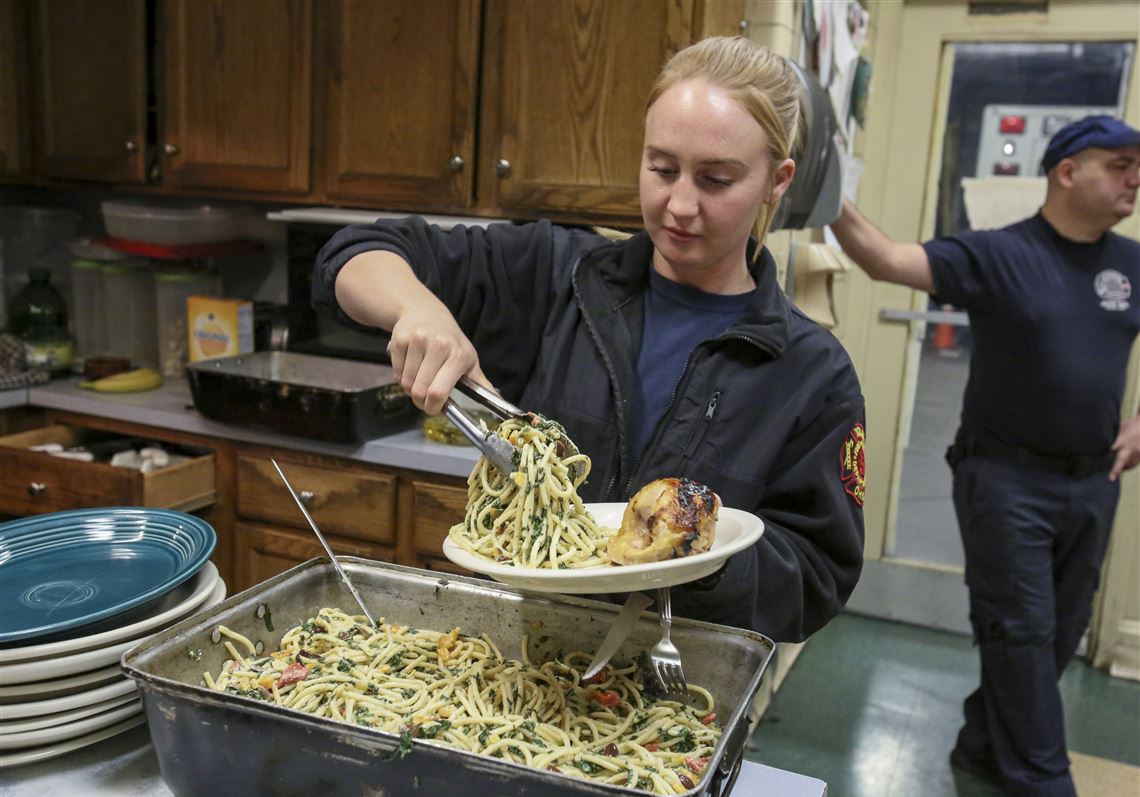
(216, 743)
(324, 398)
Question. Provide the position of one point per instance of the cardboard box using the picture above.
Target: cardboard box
(218, 327)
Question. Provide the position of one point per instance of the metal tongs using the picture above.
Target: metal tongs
(498, 451)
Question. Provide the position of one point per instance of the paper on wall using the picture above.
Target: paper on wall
(993, 202)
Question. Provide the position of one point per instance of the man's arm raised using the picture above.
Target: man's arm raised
(882, 258)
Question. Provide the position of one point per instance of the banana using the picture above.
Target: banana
(126, 382)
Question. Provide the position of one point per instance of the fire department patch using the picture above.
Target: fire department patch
(852, 468)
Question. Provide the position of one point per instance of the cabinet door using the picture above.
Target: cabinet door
(262, 552)
(90, 70)
(565, 85)
(13, 89)
(400, 96)
(234, 112)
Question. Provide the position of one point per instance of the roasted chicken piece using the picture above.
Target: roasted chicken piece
(666, 519)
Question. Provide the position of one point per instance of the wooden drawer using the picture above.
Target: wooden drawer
(33, 482)
(435, 509)
(351, 502)
(263, 551)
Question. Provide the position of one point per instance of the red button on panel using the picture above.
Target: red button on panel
(1012, 124)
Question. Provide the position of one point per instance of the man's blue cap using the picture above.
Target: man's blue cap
(1106, 132)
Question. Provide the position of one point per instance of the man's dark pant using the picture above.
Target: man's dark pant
(1035, 541)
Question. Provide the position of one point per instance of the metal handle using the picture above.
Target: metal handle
(488, 398)
(170, 149)
(954, 318)
(503, 166)
(131, 146)
(307, 497)
(457, 163)
(36, 489)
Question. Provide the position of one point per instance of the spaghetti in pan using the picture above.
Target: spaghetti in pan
(462, 692)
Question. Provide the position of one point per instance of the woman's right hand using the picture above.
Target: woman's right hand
(430, 353)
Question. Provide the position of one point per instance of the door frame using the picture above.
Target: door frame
(903, 137)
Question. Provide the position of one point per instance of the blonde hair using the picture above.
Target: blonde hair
(757, 78)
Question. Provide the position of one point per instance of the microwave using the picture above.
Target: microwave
(310, 332)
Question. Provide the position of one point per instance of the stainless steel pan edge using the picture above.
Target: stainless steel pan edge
(210, 741)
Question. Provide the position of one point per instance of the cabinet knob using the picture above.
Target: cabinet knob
(170, 149)
(503, 166)
(457, 163)
(307, 498)
(36, 489)
(131, 146)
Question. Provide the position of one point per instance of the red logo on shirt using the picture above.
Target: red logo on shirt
(852, 468)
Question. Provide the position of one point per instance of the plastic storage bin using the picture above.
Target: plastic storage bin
(173, 226)
(171, 291)
(130, 324)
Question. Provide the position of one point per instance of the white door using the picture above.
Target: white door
(961, 98)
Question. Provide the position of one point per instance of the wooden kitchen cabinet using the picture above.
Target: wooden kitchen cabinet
(14, 117)
(399, 90)
(266, 551)
(90, 70)
(428, 510)
(563, 101)
(234, 110)
(34, 482)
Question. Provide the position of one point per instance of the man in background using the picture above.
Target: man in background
(1054, 308)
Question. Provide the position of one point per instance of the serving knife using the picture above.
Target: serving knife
(635, 604)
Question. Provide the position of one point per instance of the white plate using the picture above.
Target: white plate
(735, 531)
(58, 687)
(35, 708)
(203, 585)
(34, 754)
(61, 717)
(59, 666)
(59, 733)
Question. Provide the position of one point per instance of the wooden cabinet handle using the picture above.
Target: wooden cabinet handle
(132, 146)
(503, 166)
(36, 489)
(307, 498)
(170, 149)
(457, 163)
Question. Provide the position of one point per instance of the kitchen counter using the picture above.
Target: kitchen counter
(171, 407)
(126, 766)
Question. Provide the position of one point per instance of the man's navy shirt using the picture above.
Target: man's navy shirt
(1053, 322)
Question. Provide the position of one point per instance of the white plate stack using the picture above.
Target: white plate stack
(65, 694)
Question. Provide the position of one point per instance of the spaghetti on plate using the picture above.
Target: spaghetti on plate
(534, 517)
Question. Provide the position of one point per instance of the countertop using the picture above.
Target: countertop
(171, 407)
(126, 766)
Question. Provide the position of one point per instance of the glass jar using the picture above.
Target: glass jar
(38, 316)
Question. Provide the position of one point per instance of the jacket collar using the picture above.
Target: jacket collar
(622, 271)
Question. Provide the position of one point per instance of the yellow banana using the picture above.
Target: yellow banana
(126, 382)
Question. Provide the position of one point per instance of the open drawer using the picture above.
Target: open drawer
(33, 482)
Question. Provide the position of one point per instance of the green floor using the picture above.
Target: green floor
(873, 707)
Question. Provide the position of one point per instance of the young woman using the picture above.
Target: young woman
(672, 353)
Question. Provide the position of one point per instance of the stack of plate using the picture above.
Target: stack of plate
(77, 590)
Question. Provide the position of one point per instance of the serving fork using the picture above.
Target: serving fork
(664, 658)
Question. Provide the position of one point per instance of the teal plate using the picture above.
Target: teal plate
(65, 570)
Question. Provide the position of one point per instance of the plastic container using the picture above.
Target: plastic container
(38, 316)
(87, 307)
(173, 226)
(171, 291)
(130, 323)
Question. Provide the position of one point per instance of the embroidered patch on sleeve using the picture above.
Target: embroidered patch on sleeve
(852, 468)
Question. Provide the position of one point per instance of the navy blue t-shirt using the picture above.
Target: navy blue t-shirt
(677, 318)
(1053, 323)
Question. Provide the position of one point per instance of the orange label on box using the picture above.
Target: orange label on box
(218, 327)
